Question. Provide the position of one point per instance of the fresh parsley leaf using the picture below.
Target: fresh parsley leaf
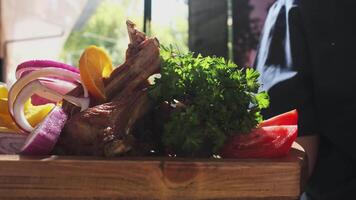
(220, 98)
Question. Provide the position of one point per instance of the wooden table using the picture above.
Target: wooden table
(150, 178)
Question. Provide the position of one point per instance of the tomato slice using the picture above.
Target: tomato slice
(263, 142)
(273, 138)
(287, 118)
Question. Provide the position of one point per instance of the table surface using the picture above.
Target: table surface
(64, 177)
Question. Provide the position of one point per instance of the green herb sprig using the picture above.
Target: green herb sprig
(220, 100)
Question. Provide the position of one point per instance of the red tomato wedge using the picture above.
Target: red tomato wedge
(263, 142)
(273, 138)
(287, 118)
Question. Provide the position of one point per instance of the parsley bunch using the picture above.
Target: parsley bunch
(220, 100)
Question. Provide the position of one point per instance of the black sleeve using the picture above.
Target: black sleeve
(284, 64)
(330, 30)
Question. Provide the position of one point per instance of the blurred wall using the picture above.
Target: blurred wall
(35, 29)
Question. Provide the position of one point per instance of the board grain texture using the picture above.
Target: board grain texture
(57, 177)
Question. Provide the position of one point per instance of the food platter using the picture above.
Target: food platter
(194, 132)
(65, 177)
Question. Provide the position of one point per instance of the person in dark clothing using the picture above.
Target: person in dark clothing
(307, 60)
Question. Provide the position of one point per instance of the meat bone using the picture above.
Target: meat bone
(105, 129)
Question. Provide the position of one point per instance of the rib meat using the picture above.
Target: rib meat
(106, 129)
(135, 70)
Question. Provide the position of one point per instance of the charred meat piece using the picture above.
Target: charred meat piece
(136, 38)
(142, 60)
(103, 130)
(134, 71)
(142, 56)
(106, 129)
(68, 107)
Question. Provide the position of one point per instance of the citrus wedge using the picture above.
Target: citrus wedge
(7, 130)
(4, 106)
(35, 114)
(94, 65)
(3, 90)
(6, 121)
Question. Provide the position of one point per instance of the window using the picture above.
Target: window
(105, 27)
(62, 29)
(170, 22)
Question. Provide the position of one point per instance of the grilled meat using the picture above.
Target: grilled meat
(106, 129)
(134, 71)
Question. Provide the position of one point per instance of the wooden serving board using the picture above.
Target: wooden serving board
(57, 177)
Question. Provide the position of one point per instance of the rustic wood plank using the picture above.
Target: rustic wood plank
(208, 27)
(149, 178)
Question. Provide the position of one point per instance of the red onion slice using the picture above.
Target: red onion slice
(35, 87)
(41, 73)
(26, 67)
(43, 138)
(60, 86)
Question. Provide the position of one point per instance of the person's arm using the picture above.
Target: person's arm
(310, 145)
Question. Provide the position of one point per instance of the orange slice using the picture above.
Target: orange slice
(94, 65)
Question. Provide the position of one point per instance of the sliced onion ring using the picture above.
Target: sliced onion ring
(43, 138)
(58, 85)
(41, 73)
(35, 87)
(26, 67)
